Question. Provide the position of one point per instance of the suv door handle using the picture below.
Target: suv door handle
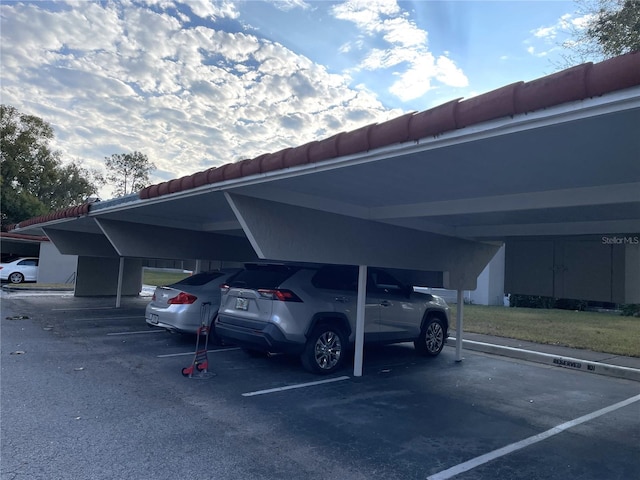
(341, 299)
(385, 303)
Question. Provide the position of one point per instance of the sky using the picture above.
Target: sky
(199, 83)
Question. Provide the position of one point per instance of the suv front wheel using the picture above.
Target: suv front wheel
(431, 339)
(323, 353)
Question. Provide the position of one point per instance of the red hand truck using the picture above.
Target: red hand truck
(199, 367)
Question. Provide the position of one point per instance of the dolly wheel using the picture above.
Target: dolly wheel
(201, 366)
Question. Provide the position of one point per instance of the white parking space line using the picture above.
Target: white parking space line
(482, 459)
(136, 333)
(291, 387)
(193, 353)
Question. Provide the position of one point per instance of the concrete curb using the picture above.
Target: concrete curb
(551, 359)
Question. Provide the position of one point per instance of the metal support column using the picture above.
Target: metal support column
(360, 307)
(120, 275)
(459, 317)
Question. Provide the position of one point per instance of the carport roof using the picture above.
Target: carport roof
(558, 155)
(578, 83)
(583, 81)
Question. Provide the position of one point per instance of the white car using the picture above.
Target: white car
(18, 270)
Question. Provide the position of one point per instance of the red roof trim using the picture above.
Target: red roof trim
(70, 212)
(21, 236)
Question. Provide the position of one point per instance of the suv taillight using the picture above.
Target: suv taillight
(278, 294)
(182, 299)
(224, 289)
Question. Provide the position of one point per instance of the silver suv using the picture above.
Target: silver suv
(310, 311)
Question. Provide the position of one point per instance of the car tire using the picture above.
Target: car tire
(325, 349)
(16, 277)
(431, 339)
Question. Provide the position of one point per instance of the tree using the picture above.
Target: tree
(610, 28)
(617, 30)
(129, 172)
(34, 180)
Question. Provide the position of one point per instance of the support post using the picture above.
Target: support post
(459, 317)
(120, 277)
(360, 307)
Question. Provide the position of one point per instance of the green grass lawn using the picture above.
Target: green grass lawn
(159, 277)
(601, 332)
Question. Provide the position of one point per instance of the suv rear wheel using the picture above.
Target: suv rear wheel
(323, 353)
(431, 339)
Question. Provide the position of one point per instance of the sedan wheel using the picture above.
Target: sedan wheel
(323, 352)
(432, 338)
(16, 277)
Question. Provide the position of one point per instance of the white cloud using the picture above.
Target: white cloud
(415, 82)
(112, 78)
(448, 73)
(366, 14)
(287, 5)
(545, 32)
(407, 51)
(565, 25)
(213, 9)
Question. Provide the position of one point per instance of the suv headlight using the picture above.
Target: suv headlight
(440, 301)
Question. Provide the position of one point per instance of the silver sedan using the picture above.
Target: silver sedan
(182, 306)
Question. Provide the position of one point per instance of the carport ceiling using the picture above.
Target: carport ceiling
(579, 176)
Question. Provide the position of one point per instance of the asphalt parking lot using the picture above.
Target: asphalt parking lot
(88, 391)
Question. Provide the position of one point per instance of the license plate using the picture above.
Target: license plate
(242, 303)
(153, 318)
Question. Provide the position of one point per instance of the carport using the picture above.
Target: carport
(15, 244)
(550, 167)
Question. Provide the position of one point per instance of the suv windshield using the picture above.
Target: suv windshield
(262, 276)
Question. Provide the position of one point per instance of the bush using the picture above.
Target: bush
(630, 309)
(530, 301)
(535, 301)
(567, 304)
